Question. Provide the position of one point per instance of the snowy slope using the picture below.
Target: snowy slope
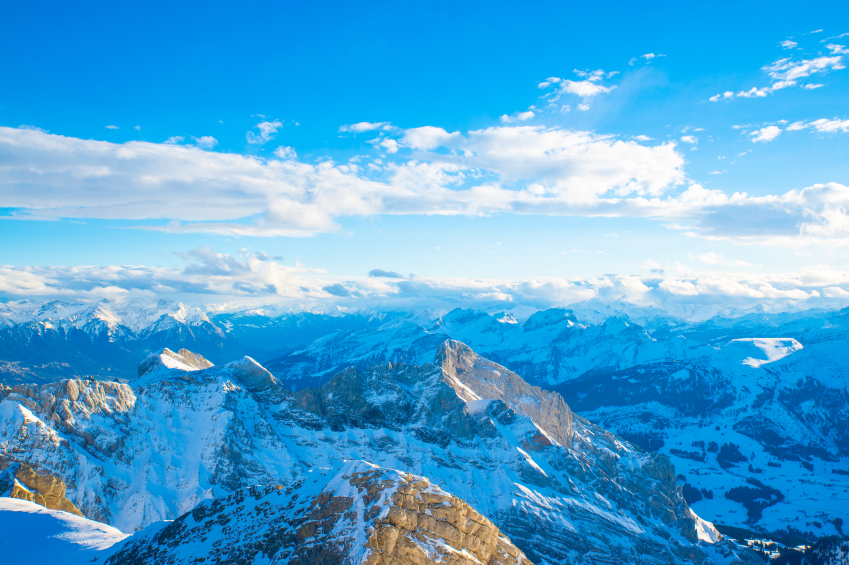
(30, 533)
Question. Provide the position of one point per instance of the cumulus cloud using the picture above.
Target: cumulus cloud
(787, 44)
(691, 139)
(428, 137)
(206, 141)
(519, 117)
(586, 89)
(765, 134)
(267, 131)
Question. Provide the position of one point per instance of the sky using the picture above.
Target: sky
(418, 154)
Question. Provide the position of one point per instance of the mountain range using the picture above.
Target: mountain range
(744, 415)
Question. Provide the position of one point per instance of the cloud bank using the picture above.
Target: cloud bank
(254, 278)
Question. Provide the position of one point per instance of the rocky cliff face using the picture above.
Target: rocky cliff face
(363, 514)
(559, 487)
(25, 483)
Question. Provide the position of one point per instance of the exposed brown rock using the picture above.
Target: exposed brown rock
(25, 483)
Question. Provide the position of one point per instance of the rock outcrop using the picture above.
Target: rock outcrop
(25, 483)
(363, 514)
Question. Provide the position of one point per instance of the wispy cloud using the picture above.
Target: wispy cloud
(267, 131)
(364, 126)
(647, 58)
(787, 72)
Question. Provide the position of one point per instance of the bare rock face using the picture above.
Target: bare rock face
(362, 514)
(25, 483)
(476, 378)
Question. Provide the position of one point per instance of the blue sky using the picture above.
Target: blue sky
(499, 152)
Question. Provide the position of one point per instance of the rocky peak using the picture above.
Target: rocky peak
(183, 360)
(251, 374)
(476, 378)
(361, 514)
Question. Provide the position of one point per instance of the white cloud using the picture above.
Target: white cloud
(790, 70)
(267, 131)
(428, 137)
(642, 138)
(822, 125)
(765, 134)
(174, 140)
(754, 93)
(111, 127)
(137, 128)
(520, 117)
(723, 96)
(586, 89)
(517, 169)
(364, 126)
(835, 292)
(583, 88)
(787, 44)
(647, 57)
(691, 139)
(390, 145)
(287, 153)
(254, 278)
(787, 72)
(206, 141)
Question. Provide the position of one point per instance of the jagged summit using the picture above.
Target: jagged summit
(476, 378)
(183, 360)
(360, 514)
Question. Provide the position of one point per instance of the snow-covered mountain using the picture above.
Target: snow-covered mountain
(559, 487)
(360, 514)
(746, 404)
